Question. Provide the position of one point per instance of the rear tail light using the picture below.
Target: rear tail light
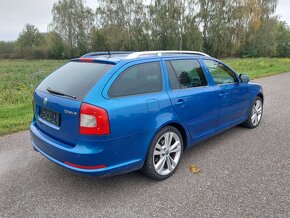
(94, 120)
(89, 60)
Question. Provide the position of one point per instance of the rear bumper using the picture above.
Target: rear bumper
(118, 156)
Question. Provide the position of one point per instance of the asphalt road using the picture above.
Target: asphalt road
(244, 173)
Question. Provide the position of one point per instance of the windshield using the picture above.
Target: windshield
(74, 79)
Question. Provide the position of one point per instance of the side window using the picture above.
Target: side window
(185, 74)
(138, 79)
(220, 73)
(172, 76)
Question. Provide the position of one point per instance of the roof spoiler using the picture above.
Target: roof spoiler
(102, 53)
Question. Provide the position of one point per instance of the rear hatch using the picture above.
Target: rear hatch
(59, 97)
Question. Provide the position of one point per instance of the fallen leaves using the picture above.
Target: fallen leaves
(194, 168)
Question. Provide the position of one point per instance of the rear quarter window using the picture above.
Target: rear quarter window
(75, 78)
(138, 79)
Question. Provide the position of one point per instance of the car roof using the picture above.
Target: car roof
(116, 57)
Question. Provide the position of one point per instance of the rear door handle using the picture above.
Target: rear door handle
(222, 94)
(180, 102)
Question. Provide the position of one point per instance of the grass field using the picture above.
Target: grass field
(18, 78)
(260, 67)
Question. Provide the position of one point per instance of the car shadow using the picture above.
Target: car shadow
(59, 176)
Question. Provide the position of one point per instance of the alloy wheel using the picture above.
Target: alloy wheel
(166, 154)
(257, 111)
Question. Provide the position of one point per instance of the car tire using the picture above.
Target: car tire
(164, 154)
(255, 114)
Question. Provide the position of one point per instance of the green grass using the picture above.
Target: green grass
(259, 67)
(18, 79)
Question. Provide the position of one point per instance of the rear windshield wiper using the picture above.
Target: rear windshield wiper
(50, 90)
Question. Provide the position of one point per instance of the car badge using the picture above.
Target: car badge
(45, 100)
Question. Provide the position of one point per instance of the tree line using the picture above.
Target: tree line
(221, 28)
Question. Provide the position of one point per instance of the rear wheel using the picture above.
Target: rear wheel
(255, 114)
(164, 154)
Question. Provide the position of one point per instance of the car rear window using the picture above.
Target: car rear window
(75, 78)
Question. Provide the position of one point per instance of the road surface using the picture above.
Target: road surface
(244, 173)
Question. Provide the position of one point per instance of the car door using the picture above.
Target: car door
(135, 98)
(195, 102)
(234, 96)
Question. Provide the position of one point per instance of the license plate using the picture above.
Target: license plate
(49, 116)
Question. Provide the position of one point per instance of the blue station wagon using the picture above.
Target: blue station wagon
(110, 113)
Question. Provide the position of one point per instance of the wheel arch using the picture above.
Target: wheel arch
(261, 96)
(181, 129)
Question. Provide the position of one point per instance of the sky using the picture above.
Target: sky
(14, 14)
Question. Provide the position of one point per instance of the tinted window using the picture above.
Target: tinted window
(75, 78)
(138, 79)
(220, 73)
(172, 77)
(185, 73)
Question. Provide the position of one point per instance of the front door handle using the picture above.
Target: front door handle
(180, 102)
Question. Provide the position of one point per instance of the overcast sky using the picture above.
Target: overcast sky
(14, 14)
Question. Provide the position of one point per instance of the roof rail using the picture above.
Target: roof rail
(164, 52)
(91, 54)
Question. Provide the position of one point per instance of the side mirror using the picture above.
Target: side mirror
(244, 78)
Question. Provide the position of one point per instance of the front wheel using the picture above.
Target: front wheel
(255, 114)
(164, 154)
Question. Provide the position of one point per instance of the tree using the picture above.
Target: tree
(73, 22)
(30, 36)
(262, 41)
(221, 28)
(230, 27)
(192, 36)
(29, 39)
(121, 25)
(54, 46)
(164, 20)
(283, 39)
(7, 49)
